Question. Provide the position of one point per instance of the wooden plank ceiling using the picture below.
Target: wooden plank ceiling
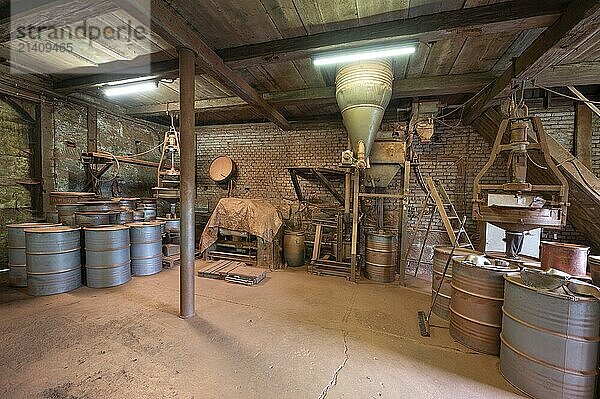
(459, 54)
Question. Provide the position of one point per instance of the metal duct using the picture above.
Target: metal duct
(363, 91)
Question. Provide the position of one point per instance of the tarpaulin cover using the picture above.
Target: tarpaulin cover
(258, 217)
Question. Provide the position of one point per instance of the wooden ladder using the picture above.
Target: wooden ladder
(437, 198)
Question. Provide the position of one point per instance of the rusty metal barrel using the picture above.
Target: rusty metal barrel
(550, 341)
(99, 205)
(379, 257)
(69, 197)
(146, 248)
(17, 272)
(569, 258)
(66, 213)
(96, 218)
(293, 248)
(128, 203)
(53, 259)
(476, 304)
(594, 262)
(441, 307)
(107, 260)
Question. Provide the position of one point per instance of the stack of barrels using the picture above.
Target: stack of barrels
(548, 340)
(99, 244)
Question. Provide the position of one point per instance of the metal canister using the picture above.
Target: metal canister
(138, 216)
(594, 262)
(96, 218)
(107, 261)
(550, 341)
(293, 248)
(379, 257)
(53, 259)
(17, 272)
(441, 307)
(476, 304)
(66, 213)
(569, 258)
(146, 248)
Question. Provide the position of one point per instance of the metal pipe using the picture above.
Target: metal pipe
(187, 122)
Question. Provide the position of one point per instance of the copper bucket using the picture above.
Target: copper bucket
(569, 258)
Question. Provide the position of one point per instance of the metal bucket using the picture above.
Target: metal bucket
(53, 260)
(85, 219)
(146, 248)
(379, 257)
(66, 213)
(476, 304)
(569, 258)
(17, 272)
(594, 262)
(363, 91)
(550, 342)
(107, 262)
(293, 248)
(441, 307)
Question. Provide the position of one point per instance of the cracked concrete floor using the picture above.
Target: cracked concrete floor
(281, 339)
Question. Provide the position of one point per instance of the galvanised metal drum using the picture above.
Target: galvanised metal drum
(17, 273)
(52, 217)
(53, 259)
(476, 304)
(69, 197)
(379, 257)
(66, 213)
(594, 262)
(138, 216)
(128, 203)
(550, 341)
(125, 216)
(84, 219)
(99, 205)
(441, 307)
(146, 248)
(107, 261)
(149, 211)
(293, 248)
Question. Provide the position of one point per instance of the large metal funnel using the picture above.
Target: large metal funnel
(363, 91)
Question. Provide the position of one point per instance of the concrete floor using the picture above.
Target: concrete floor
(284, 338)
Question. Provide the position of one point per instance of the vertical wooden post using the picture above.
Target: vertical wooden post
(187, 121)
(583, 134)
(46, 126)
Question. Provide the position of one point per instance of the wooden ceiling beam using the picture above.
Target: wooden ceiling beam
(574, 28)
(49, 13)
(403, 88)
(495, 18)
(177, 32)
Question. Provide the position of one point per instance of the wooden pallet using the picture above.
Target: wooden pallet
(173, 261)
(232, 271)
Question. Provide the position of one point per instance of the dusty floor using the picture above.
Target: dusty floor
(282, 339)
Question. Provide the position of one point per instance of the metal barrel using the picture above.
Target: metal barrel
(53, 260)
(138, 216)
(379, 257)
(149, 211)
(52, 217)
(17, 272)
(293, 248)
(441, 307)
(570, 258)
(550, 341)
(96, 218)
(146, 248)
(128, 203)
(476, 304)
(99, 205)
(125, 216)
(107, 260)
(172, 225)
(594, 262)
(69, 197)
(66, 213)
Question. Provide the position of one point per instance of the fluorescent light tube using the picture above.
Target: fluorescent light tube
(131, 88)
(131, 80)
(342, 57)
